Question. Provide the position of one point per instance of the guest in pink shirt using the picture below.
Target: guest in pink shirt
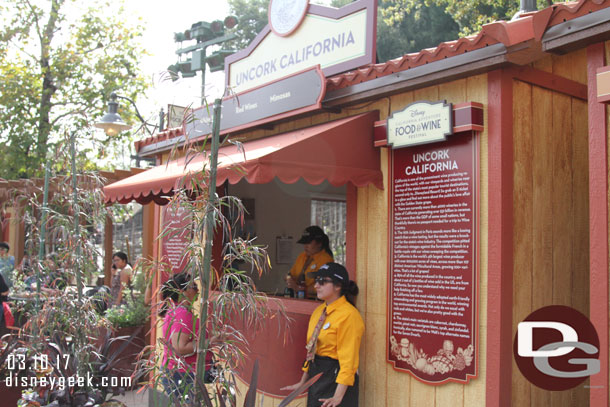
(180, 332)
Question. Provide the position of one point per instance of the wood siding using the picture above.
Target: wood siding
(380, 384)
(551, 210)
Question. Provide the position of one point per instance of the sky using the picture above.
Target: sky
(161, 19)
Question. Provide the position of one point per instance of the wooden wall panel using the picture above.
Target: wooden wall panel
(563, 233)
(551, 245)
(542, 158)
(381, 385)
(544, 64)
(523, 216)
(543, 210)
(607, 58)
(572, 66)
(474, 392)
(580, 197)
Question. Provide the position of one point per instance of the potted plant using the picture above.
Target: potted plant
(60, 363)
(9, 346)
(129, 320)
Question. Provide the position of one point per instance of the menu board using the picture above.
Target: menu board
(176, 237)
(432, 321)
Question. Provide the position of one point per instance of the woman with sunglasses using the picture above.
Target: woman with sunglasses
(333, 341)
(180, 331)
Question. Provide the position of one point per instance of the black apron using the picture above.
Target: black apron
(325, 387)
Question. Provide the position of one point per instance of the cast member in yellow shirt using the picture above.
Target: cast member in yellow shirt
(316, 253)
(334, 335)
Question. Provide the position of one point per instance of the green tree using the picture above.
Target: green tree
(469, 14)
(397, 34)
(422, 27)
(403, 26)
(59, 61)
(252, 16)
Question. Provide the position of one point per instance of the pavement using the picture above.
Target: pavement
(134, 399)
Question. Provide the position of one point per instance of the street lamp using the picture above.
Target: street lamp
(206, 34)
(111, 122)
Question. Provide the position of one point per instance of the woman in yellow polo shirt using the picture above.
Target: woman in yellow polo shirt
(334, 335)
(316, 253)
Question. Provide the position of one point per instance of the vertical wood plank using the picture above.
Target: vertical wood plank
(362, 278)
(377, 243)
(450, 395)
(362, 225)
(398, 389)
(542, 281)
(542, 199)
(400, 101)
(302, 123)
(544, 64)
(562, 65)
(563, 226)
(374, 377)
(474, 392)
(580, 197)
(453, 92)
(421, 394)
(430, 94)
(319, 118)
(522, 220)
(579, 66)
(562, 200)
(572, 66)
(580, 260)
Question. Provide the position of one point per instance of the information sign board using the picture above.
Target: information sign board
(178, 230)
(420, 123)
(432, 310)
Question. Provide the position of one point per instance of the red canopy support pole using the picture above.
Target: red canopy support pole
(500, 237)
(108, 249)
(598, 224)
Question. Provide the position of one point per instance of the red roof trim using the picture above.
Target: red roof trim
(530, 26)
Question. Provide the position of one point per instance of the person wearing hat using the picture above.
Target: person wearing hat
(333, 341)
(316, 252)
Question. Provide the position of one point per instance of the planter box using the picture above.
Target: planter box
(10, 395)
(127, 358)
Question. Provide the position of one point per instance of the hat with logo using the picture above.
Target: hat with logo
(333, 270)
(312, 233)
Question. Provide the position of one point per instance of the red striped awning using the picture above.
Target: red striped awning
(338, 152)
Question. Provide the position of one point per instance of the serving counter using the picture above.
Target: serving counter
(279, 346)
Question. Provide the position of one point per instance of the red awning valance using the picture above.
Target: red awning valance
(340, 152)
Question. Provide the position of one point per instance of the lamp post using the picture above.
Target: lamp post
(112, 124)
(206, 34)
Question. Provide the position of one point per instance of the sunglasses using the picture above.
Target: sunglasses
(323, 280)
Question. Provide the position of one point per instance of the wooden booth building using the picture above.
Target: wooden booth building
(468, 183)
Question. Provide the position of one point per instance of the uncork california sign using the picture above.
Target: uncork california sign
(300, 36)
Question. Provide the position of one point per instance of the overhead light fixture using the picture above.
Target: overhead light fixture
(111, 122)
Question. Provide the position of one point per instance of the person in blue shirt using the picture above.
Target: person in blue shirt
(7, 264)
